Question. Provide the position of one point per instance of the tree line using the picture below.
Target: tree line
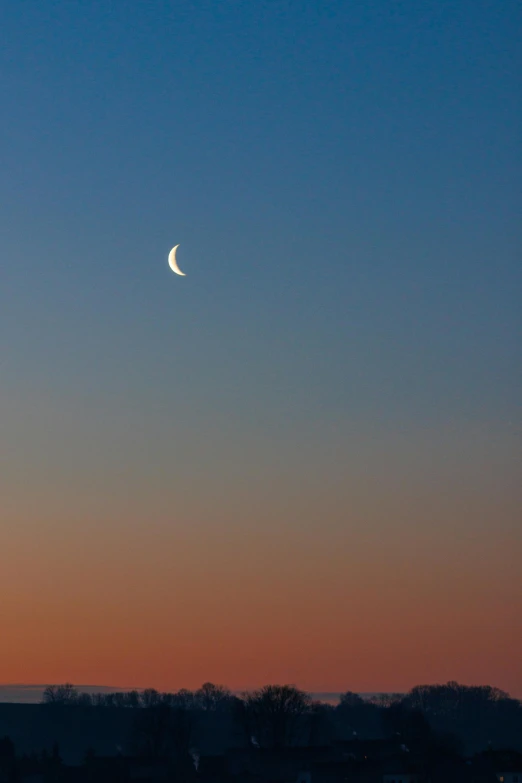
(208, 697)
(450, 715)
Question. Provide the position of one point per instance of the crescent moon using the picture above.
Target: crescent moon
(173, 263)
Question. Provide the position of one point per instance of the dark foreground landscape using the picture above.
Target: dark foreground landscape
(278, 734)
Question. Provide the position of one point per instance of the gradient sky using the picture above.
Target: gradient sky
(301, 462)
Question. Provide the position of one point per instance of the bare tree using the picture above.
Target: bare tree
(387, 699)
(150, 697)
(60, 694)
(276, 713)
(132, 699)
(84, 700)
(184, 699)
(212, 697)
(98, 700)
(350, 699)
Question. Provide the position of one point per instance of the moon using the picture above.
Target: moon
(173, 263)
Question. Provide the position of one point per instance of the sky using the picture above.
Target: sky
(301, 462)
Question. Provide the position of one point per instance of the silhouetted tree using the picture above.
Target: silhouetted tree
(98, 700)
(212, 697)
(152, 732)
(320, 724)
(184, 699)
(276, 713)
(83, 700)
(479, 714)
(166, 698)
(357, 717)
(150, 697)
(160, 731)
(452, 699)
(387, 699)
(117, 699)
(60, 694)
(212, 719)
(350, 699)
(132, 699)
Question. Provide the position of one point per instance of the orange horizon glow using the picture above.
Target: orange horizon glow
(391, 595)
(302, 463)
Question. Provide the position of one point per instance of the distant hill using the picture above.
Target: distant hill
(32, 694)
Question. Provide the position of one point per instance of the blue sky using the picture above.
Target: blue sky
(344, 183)
(342, 178)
